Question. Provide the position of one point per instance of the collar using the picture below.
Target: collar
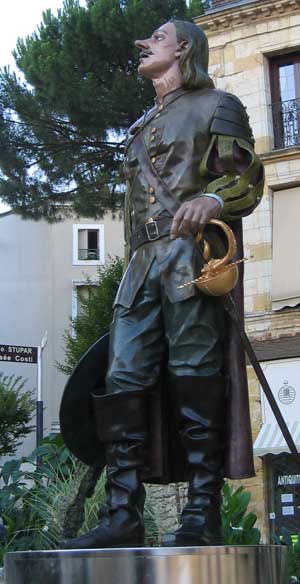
(169, 97)
(149, 115)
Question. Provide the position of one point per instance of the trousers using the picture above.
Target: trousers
(186, 336)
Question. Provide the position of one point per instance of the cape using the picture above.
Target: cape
(166, 456)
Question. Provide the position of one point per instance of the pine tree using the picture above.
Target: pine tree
(196, 8)
(61, 130)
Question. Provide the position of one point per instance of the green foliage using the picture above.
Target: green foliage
(96, 314)
(32, 497)
(16, 409)
(293, 544)
(35, 500)
(195, 8)
(61, 132)
(238, 524)
(36, 503)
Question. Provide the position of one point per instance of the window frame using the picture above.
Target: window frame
(274, 64)
(76, 284)
(93, 227)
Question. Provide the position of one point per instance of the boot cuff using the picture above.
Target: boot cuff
(121, 416)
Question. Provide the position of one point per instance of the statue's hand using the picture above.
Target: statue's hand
(193, 215)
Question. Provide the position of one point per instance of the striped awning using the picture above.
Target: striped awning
(271, 441)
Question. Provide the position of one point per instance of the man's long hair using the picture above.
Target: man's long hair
(193, 61)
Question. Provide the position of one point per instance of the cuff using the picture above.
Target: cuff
(216, 197)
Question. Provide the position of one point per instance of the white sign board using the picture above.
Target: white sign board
(284, 380)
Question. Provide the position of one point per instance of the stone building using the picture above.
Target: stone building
(255, 54)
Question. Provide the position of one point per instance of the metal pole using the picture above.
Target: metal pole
(39, 401)
(232, 311)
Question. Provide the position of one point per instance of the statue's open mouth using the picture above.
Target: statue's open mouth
(144, 55)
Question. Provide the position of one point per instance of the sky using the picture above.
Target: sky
(19, 18)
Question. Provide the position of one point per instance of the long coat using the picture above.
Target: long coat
(198, 141)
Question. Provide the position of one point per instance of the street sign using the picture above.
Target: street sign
(18, 354)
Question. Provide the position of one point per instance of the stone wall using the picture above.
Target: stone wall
(167, 501)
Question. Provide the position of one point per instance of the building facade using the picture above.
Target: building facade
(255, 54)
(43, 275)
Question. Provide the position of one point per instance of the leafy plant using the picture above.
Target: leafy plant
(16, 409)
(32, 497)
(293, 544)
(96, 314)
(238, 524)
(40, 505)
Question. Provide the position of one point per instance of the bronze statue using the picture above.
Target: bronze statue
(188, 160)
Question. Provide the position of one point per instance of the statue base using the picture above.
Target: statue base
(262, 564)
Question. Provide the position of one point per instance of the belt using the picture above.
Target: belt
(151, 231)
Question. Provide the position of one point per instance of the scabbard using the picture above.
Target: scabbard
(233, 314)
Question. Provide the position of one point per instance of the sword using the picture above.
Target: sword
(230, 307)
(218, 277)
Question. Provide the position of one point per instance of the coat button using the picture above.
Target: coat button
(152, 138)
(153, 160)
(151, 190)
(157, 116)
(153, 130)
(152, 199)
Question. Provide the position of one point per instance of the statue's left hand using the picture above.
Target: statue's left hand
(192, 216)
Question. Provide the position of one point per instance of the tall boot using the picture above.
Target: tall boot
(200, 408)
(122, 426)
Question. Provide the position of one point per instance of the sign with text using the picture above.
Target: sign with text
(18, 354)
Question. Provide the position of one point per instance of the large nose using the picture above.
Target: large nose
(144, 44)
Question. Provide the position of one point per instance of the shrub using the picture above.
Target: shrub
(293, 544)
(42, 504)
(95, 317)
(16, 409)
(238, 524)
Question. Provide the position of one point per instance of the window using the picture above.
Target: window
(285, 90)
(88, 244)
(283, 482)
(286, 243)
(83, 296)
(80, 294)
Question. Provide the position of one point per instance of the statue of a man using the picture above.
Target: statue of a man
(188, 160)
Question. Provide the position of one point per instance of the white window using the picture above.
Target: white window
(286, 244)
(80, 292)
(88, 244)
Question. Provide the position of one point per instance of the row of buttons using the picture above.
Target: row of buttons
(159, 109)
(152, 198)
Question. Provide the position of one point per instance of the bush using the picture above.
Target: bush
(96, 314)
(42, 504)
(293, 554)
(238, 524)
(16, 409)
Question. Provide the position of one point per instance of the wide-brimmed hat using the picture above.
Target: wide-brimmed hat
(77, 423)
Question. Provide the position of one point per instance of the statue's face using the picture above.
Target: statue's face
(158, 53)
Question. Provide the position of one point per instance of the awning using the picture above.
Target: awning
(271, 441)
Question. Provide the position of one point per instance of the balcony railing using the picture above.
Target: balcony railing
(286, 119)
(88, 254)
